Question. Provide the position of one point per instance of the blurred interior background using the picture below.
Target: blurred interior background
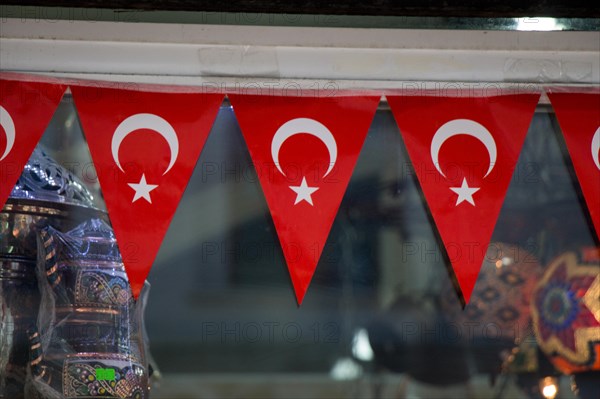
(381, 317)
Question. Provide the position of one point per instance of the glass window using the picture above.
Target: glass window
(381, 318)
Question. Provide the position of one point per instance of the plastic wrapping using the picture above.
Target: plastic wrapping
(89, 340)
(45, 194)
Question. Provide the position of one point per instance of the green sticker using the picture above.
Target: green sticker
(105, 374)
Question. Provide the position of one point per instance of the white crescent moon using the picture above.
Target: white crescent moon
(596, 147)
(6, 121)
(308, 126)
(463, 126)
(145, 121)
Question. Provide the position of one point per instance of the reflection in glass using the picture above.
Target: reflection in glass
(222, 318)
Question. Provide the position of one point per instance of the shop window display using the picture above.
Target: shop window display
(382, 281)
(219, 316)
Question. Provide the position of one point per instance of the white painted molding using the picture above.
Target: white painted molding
(352, 58)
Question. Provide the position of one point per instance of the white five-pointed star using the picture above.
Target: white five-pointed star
(303, 192)
(142, 189)
(465, 193)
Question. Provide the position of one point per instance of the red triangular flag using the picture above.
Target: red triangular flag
(464, 150)
(25, 111)
(304, 150)
(145, 146)
(579, 118)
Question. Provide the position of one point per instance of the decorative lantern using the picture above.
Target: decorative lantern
(45, 194)
(92, 325)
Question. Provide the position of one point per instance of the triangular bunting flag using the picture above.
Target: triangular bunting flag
(145, 146)
(579, 118)
(304, 150)
(26, 108)
(464, 150)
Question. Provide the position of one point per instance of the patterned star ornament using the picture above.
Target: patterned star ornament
(566, 311)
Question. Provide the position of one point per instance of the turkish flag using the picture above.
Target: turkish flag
(464, 150)
(145, 146)
(26, 108)
(304, 150)
(579, 118)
